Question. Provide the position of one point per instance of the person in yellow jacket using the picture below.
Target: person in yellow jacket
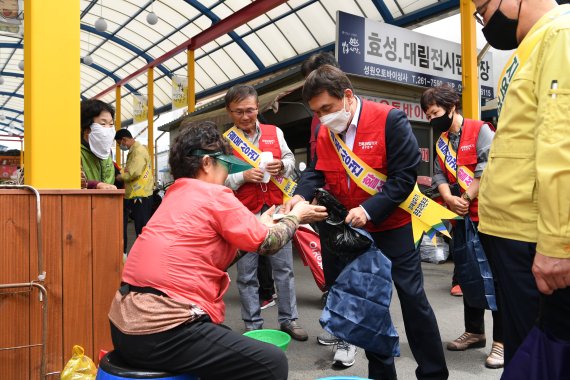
(139, 182)
(524, 201)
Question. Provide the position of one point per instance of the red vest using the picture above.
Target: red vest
(369, 146)
(466, 156)
(255, 195)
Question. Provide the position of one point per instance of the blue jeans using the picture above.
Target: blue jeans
(248, 286)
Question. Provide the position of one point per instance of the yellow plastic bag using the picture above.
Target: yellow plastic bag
(79, 367)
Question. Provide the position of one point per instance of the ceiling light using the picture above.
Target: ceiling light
(101, 25)
(151, 18)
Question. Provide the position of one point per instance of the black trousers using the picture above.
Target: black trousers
(203, 349)
(265, 278)
(419, 320)
(522, 304)
(517, 294)
(140, 210)
(474, 318)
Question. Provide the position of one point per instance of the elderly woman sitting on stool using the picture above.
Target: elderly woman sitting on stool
(168, 312)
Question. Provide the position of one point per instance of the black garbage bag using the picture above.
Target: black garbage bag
(339, 238)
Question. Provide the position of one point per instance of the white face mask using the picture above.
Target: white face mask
(337, 122)
(124, 148)
(101, 140)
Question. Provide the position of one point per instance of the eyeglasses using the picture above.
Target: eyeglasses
(477, 14)
(248, 112)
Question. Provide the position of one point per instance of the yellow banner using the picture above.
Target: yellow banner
(427, 215)
(179, 92)
(252, 155)
(140, 108)
(445, 151)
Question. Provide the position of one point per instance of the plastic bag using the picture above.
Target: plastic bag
(339, 238)
(434, 253)
(79, 367)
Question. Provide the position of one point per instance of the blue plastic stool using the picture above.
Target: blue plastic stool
(111, 367)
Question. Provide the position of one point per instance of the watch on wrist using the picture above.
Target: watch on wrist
(466, 197)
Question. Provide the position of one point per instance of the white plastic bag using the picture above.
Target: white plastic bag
(434, 253)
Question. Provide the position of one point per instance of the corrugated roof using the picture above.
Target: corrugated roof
(277, 39)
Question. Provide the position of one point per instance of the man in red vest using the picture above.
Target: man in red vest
(382, 137)
(257, 195)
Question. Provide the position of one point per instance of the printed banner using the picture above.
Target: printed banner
(140, 108)
(179, 92)
(427, 215)
(252, 155)
(378, 50)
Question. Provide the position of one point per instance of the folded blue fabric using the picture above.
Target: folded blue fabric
(358, 304)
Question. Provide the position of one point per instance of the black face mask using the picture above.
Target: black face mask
(501, 31)
(441, 123)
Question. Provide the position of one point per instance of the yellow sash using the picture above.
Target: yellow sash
(448, 155)
(140, 187)
(252, 155)
(427, 215)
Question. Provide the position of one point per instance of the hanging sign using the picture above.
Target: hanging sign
(179, 92)
(140, 108)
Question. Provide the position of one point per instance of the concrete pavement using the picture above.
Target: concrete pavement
(309, 360)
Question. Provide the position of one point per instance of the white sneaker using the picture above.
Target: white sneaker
(345, 354)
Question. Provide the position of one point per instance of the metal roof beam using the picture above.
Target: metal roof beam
(426, 12)
(88, 8)
(225, 26)
(14, 94)
(383, 10)
(164, 38)
(234, 36)
(124, 44)
(111, 75)
(11, 74)
(11, 110)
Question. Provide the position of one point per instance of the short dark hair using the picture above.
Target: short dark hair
(317, 60)
(123, 133)
(201, 135)
(92, 108)
(238, 93)
(326, 78)
(443, 96)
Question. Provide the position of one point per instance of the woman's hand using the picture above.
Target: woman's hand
(267, 217)
(106, 186)
(308, 213)
(458, 205)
